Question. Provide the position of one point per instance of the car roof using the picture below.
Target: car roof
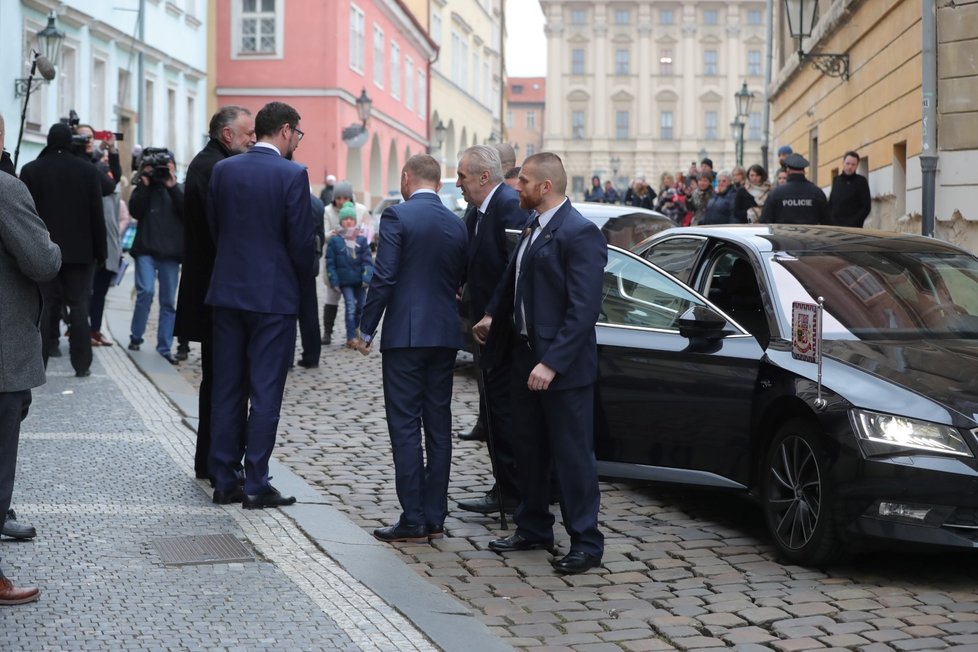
(592, 210)
(811, 238)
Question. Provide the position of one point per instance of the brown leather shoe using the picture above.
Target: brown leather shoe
(100, 340)
(351, 344)
(10, 594)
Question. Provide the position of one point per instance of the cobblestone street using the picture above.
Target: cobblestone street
(682, 569)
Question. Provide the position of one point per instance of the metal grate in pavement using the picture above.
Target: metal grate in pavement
(201, 549)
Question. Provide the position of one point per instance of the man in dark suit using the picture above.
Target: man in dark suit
(493, 208)
(232, 131)
(258, 211)
(419, 268)
(543, 315)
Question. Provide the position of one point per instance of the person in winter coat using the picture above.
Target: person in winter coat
(349, 268)
(751, 197)
(699, 199)
(594, 193)
(720, 208)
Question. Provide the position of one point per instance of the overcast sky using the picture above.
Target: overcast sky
(526, 46)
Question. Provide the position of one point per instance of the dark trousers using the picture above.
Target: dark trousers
(418, 394)
(555, 426)
(73, 285)
(13, 410)
(494, 395)
(309, 322)
(253, 351)
(96, 305)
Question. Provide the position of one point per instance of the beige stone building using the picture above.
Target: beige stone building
(878, 110)
(467, 77)
(650, 84)
(525, 105)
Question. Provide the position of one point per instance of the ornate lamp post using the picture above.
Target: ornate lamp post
(742, 99)
(801, 15)
(356, 134)
(46, 57)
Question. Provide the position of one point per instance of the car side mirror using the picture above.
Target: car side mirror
(702, 322)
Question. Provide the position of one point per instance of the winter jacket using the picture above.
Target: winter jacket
(159, 211)
(343, 268)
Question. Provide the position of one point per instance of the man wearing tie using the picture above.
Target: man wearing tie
(419, 268)
(542, 316)
(493, 208)
(258, 211)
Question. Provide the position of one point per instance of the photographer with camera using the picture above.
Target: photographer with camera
(157, 204)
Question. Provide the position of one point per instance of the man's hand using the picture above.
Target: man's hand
(360, 345)
(481, 330)
(172, 181)
(540, 378)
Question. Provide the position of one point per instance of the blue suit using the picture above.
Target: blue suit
(258, 213)
(561, 285)
(419, 268)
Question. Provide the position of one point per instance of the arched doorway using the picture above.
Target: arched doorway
(376, 180)
(354, 171)
(393, 170)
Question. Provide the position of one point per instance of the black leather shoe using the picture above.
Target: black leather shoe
(478, 433)
(402, 533)
(271, 498)
(227, 497)
(307, 365)
(85, 373)
(575, 562)
(15, 530)
(487, 504)
(54, 351)
(517, 543)
(435, 532)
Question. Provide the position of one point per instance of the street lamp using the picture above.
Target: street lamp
(801, 15)
(615, 165)
(355, 136)
(440, 131)
(737, 131)
(742, 100)
(49, 42)
(364, 104)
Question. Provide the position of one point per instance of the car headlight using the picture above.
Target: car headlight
(886, 434)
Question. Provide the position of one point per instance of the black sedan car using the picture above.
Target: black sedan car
(698, 384)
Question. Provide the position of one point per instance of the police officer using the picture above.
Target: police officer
(798, 201)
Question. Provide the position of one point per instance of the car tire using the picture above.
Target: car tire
(799, 496)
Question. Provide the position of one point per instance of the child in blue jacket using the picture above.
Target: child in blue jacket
(349, 268)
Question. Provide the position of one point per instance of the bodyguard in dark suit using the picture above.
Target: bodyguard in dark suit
(258, 211)
(494, 207)
(419, 268)
(542, 315)
(232, 131)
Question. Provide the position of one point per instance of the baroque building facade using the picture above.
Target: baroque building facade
(641, 87)
(525, 106)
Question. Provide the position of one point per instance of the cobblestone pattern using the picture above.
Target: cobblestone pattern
(688, 570)
(105, 468)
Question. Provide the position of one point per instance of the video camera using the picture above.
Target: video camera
(80, 141)
(158, 158)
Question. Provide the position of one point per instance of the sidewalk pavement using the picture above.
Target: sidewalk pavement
(106, 472)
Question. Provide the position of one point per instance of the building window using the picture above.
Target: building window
(357, 54)
(509, 119)
(753, 16)
(665, 62)
(710, 62)
(578, 17)
(485, 82)
(99, 91)
(531, 149)
(409, 83)
(754, 63)
(463, 65)
(422, 94)
(665, 17)
(475, 74)
(621, 125)
(258, 29)
(531, 119)
(66, 80)
(665, 125)
(378, 56)
(623, 17)
(436, 27)
(577, 125)
(710, 17)
(456, 52)
(621, 61)
(754, 126)
(577, 61)
(710, 125)
(395, 70)
(149, 101)
(171, 118)
(191, 133)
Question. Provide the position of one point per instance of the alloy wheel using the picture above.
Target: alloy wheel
(794, 492)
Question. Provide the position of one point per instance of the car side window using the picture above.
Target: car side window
(676, 255)
(636, 294)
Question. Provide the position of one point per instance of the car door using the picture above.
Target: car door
(670, 408)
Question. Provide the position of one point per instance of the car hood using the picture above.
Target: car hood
(945, 371)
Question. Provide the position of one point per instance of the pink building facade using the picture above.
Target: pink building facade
(317, 56)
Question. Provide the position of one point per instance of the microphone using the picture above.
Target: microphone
(44, 67)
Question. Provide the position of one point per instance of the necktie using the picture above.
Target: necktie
(478, 220)
(518, 298)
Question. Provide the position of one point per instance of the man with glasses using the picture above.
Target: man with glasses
(264, 234)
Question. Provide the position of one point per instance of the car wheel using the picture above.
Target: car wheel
(799, 496)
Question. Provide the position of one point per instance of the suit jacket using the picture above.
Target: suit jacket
(419, 268)
(562, 276)
(193, 320)
(27, 257)
(488, 252)
(260, 219)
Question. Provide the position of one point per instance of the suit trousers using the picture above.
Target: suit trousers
(309, 321)
(555, 426)
(73, 285)
(253, 350)
(202, 452)
(418, 395)
(13, 410)
(494, 396)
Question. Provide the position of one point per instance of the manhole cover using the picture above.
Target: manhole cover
(202, 549)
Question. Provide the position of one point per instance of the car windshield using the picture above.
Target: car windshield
(881, 295)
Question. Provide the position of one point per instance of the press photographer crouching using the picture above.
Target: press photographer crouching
(157, 205)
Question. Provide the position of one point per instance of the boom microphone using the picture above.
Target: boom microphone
(45, 67)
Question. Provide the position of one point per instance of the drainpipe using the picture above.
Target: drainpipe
(767, 85)
(141, 77)
(928, 154)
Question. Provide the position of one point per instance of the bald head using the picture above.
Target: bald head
(542, 182)
(507, 156)
(548, 166)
